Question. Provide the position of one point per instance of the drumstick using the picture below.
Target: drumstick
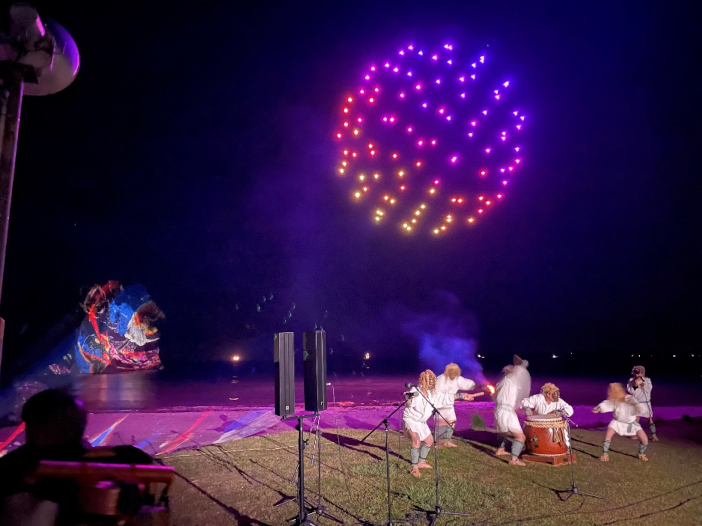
(476, 394)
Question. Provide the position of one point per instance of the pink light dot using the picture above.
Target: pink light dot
(346, 125)
(359, 119)
(409, 130)
(502, 170)
(387, 64)
(470, 134)
(402, 95)
(460, 201)
(396, 69)
(436, 181)
(377, 90)
(418, 87)
(483, 173)
(362, 91)
(480, 210)
(350, 99)
(394, 156)
(354, 154)
(370, 145)
(402, 52)
(454, 159)
(372, 152)
(371, 99)
(510, 168)
(441, 110)
(453, 200)
(487, 203)
(418, 163)
(409, 73)
(372, 68)
(392, 119)
(346, 152)
(497, 97)
(516, 149)
(385, 119)
(433, 143)
(402, 187)
(487, 150)
(504, 183)
(499, 196)
(367, 77)
(420, 143)
(473, 123)
(517, 161)
(481, 198)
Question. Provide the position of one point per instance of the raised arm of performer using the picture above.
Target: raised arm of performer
(626, 411)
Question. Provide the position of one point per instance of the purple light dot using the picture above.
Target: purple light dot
(424, 105)
(462, 79)
(473, 123)
(516, 149)
(448, 117)
(470, 134)
(441, 110)
(463, 95)
(435, 57)
(473, 77)
(387, 64)
(372, 68)
(515, 113)
(484, 112)
(502, 170)
(487, 150)
(421, 53)
(402, 95)
(438, 81)
(522, 117)
(506, 84)
(449, 62)
(504, 183)
(482, 59)
(402, 52)
(367, 77)
(418, 87)
(454, 159)
(474, 65)
(503, 138)
(409, 73)
(396, 69)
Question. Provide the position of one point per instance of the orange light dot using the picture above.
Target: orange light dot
(402, 187)
(376, 176)
(432, 191)
(471, 220)
(418, 163)
(356, 132)
(386, 197)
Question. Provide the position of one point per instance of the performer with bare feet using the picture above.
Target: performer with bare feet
(640, 386)
(626, 411)
(415, 415)
(451, 382)
(514, 387)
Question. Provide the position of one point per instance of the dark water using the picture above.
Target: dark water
(153, 391)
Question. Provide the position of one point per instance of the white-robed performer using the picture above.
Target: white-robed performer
(549, 402)
(450, 382)
(626, 419)
(514, 386)
(417, 412)
(640, 387)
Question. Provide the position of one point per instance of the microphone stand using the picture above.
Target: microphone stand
(433, 515)
(320, 510)
(573, 488)
(386, 423)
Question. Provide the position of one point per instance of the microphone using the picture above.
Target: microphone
(409, 385)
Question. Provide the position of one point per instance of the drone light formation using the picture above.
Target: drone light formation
(429, 140)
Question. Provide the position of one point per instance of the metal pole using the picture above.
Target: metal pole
(12, 76)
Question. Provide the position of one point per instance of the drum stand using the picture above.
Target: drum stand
(573, 488)
(438, 510)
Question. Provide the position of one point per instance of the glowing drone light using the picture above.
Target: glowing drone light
(420, 120)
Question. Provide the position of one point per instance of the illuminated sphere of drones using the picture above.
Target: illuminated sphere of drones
(428, 140)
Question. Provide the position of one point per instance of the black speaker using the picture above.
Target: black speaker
(284, 360)
(314, 344)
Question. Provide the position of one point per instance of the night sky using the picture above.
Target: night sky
(194, 154)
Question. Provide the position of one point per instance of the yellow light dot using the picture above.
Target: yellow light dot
(341, 170)
(432, 191)
(417, 213)
(344, 163)
(443, 227)
(422, 206)
(400, 173)
(404, 225)
(346, 152)
(436, 230)
(376, 176)
(414, 221)
(356, 132)
(357, 195)
(392, 201)
(471, 220)
(365, 188)
(377, 218)
(361, 177)
(409, 229)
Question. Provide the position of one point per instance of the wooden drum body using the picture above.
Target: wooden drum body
(545, 435)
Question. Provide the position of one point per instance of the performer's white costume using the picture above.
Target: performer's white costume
(444, 384)
(513, 387)
(626, 415)
(417, 411)
(642, 394)
(540, 406)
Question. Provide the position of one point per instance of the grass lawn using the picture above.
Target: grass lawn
(239, 482)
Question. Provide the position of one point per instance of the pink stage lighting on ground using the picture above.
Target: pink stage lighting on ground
(432, 114)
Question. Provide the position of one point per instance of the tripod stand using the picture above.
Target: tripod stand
(386, 423)
(303, 510)
(573, 488)
(438, 510)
